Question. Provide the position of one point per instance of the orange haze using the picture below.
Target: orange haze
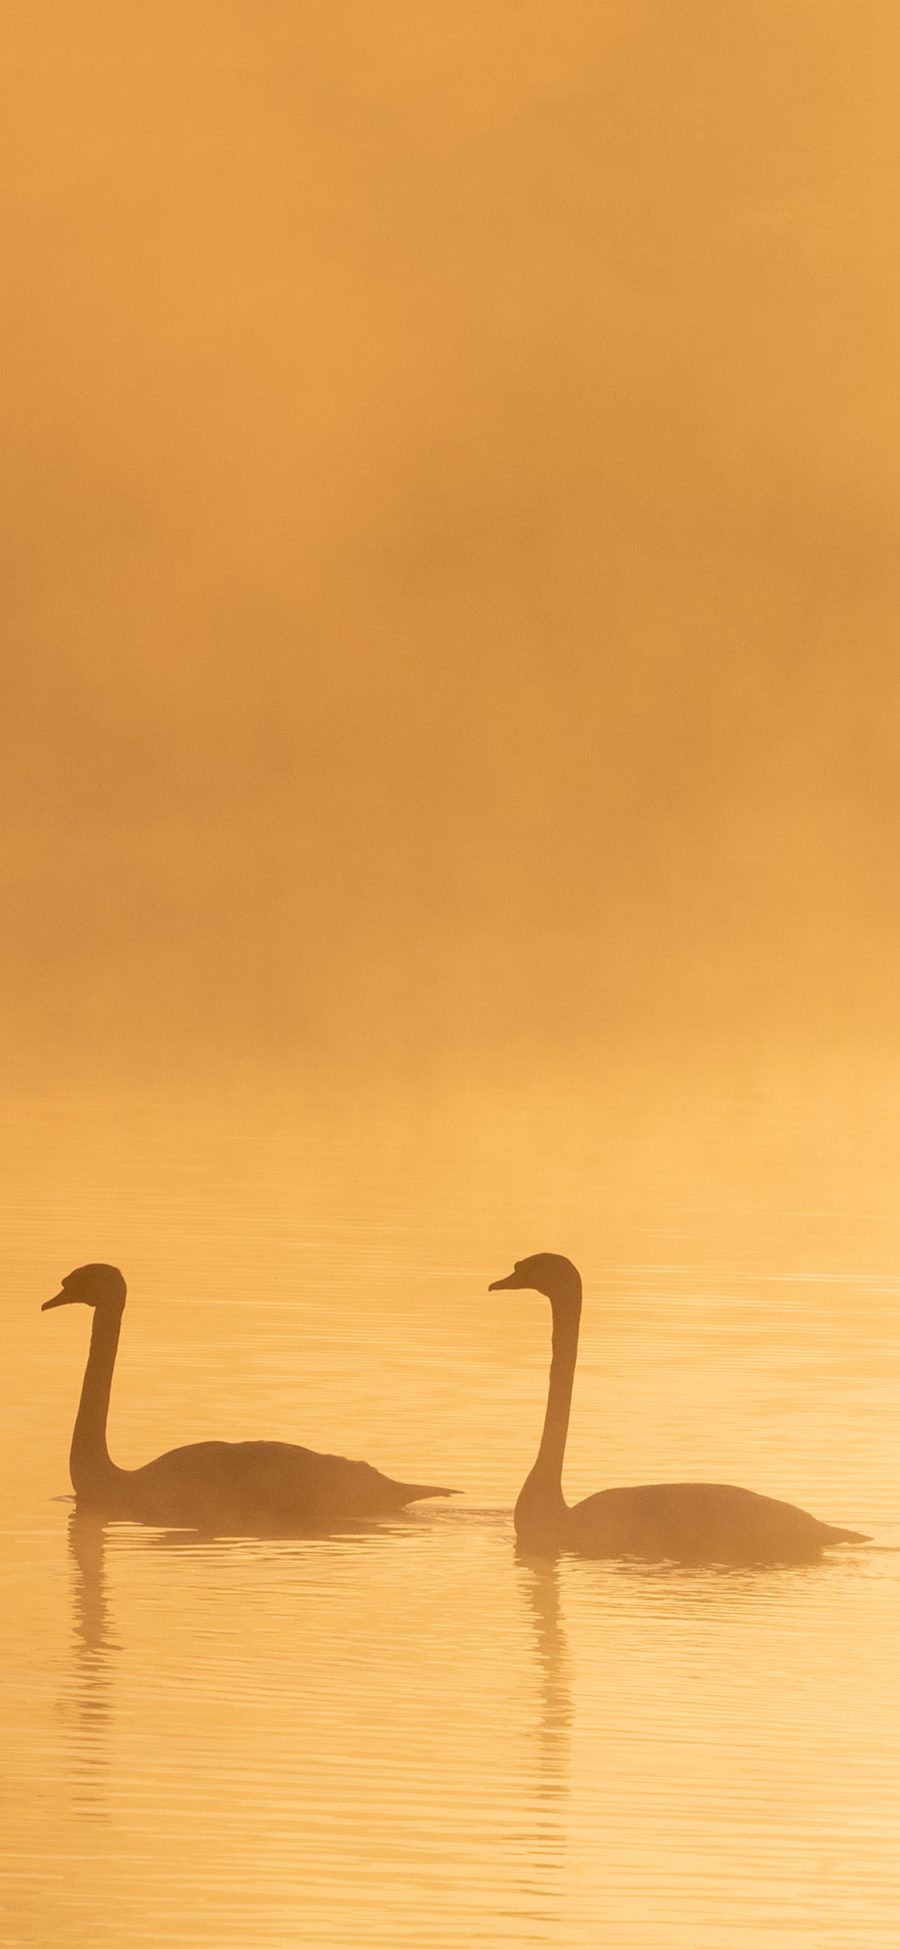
(452, 486)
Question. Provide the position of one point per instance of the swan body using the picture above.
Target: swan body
(684, 1522)
(244, 1487)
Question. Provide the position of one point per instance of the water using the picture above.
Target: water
(410, 1737)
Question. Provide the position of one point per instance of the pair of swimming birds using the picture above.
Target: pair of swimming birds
(278, 1488)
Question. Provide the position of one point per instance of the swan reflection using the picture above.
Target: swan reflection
(94, 1647)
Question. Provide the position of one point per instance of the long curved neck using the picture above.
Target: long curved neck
(551, 1454)
(89, 1464)
(540, 1510)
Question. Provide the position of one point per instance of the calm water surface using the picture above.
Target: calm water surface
(408, 1736)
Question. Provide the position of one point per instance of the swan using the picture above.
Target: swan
(685, 1522)
(244, 1486)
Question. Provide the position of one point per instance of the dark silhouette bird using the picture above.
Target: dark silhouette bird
(685, 1522)
(247, 1487)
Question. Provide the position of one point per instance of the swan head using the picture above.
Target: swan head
(90, 1285)
(543, 1272)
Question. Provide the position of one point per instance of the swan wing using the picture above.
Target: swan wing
(272, 1484)
(698, 1522)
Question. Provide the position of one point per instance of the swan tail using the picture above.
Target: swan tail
(836, 1535)
(418, 1491)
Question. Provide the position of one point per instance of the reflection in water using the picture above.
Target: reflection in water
(87, 1543)
(93, 1646)
(539, 1581)
(688, 1522)
(548, 1787)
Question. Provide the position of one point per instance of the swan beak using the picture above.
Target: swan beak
(499, 1285)
(60, 1299)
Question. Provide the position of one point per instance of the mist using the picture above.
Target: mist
(451, 474)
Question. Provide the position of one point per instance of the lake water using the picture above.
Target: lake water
(410, 1737)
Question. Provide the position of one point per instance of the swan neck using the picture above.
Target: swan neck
(541, 1509)
(89, 1463)
(551, 1454)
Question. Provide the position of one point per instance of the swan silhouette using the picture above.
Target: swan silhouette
(243, 1487)
(685, 1522)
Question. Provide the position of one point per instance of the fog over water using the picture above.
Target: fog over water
(449, 794)
(452, 482)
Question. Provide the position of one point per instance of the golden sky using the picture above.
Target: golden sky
(452, 477)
